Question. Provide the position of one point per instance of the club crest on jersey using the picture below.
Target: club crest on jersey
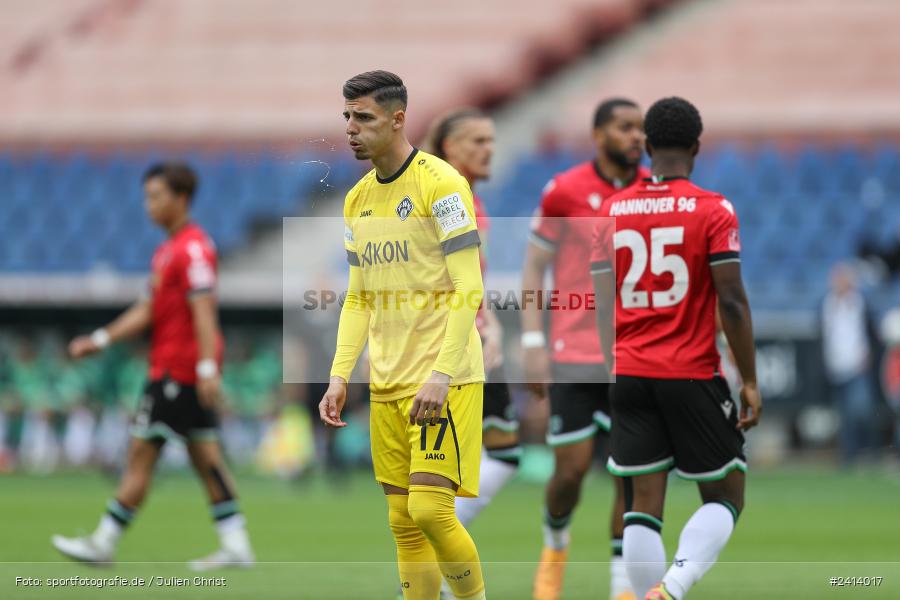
(405, 208)
(594, 200)
(734, 240)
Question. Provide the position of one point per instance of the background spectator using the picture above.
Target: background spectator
(849, 344)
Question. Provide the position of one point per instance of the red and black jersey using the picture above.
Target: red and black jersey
(184, 264)
(668, 235)
(483, 222)
(564, 224)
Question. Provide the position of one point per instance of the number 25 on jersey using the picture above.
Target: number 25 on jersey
(659, 262)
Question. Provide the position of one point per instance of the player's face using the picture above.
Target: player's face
(370, 127)
(471, 147)
(160, 203)
(622, 138)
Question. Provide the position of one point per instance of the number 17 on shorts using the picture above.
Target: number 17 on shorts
(451, 447)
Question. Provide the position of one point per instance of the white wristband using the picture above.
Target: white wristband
(100, 338)
(533, 339)
(207, 368)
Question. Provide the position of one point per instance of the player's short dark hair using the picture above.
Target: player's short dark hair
(446, 125)
(383, 86)
(603, 114)
(179, 177)
(673, 123)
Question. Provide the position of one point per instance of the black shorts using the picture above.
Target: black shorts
(169, 409)
(499, 412)
(686, 424)
(579, 403)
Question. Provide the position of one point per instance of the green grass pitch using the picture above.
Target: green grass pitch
(319, 540)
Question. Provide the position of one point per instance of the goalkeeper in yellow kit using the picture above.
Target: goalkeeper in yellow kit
(414, 290)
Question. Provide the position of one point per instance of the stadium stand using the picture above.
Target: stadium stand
(82, 197)
(802, 211)
(801, 129)
(120, 70)
(758, 68)
(139, 70)
(793, 205)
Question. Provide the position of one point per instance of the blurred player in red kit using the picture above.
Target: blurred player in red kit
(659, 272)
(182, 393)
(573, 363)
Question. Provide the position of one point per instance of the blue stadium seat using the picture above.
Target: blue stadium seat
(810, 172)
(800, 212)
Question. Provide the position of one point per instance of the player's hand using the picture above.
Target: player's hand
(82, 346)
(209, 390)
(492, 348)
(333, 403)
(751, 406)
(537, 370)
(429, 402)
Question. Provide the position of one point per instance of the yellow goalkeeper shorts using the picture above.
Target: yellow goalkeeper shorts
(451, 447)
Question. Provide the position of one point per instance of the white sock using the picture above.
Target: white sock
(556, 531)
(701, 540)
(645, 557)
(233, 532)
(618, 577)
(494, 475)
(108, 532)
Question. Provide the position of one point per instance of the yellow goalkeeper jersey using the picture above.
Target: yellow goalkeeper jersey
(398, 231)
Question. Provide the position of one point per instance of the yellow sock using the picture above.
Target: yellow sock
(420, 576)
(433, 510)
